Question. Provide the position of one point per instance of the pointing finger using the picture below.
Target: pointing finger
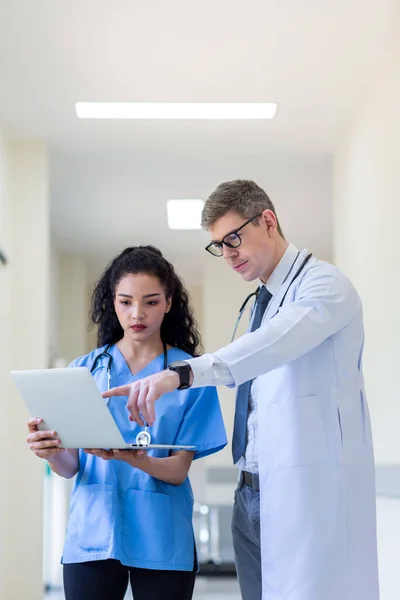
(122, 390)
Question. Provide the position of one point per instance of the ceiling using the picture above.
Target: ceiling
(110, 179)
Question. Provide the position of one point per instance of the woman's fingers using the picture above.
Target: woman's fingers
(43, 444)
(100, 453)
(33, 423)
(41, 435)
(128, 455)
(40, 445)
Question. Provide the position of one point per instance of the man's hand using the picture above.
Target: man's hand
(142, 394)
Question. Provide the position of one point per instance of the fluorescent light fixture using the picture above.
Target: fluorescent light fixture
(196, 110)
(184, 214)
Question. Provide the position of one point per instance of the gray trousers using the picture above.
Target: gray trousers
(246, 541)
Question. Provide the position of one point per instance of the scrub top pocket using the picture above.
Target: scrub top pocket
(93, 505)
(148, 527)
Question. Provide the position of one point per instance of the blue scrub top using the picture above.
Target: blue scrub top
(120, 512)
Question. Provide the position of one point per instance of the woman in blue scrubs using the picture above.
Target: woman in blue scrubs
(131, 511)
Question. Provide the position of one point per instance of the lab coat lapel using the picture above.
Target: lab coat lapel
(276, 300)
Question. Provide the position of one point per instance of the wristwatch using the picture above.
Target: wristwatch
(183, 369)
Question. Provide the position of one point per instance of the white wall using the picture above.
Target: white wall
(366, 229)
(91, 337)
(24, 297)
(73, 310)
(367, 221)
(54, 304)
(4, 350)
(388, 510)
(197, 303)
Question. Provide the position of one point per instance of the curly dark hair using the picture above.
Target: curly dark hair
(179, 327)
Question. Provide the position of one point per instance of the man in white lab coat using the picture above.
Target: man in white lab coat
(304, 523)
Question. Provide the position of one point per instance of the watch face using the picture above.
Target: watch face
(179, 363)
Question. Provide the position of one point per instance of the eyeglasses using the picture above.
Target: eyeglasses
(231, 240)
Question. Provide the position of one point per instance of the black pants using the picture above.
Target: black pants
(108, 580)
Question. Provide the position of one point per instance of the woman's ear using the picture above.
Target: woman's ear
(169, 304)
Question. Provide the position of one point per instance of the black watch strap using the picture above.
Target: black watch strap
(184, 371)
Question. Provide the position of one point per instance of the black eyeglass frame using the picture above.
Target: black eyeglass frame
(229, 244)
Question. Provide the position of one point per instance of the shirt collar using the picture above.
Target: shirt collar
(282, 269)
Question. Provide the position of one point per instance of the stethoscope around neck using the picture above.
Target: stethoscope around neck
(143, 438)
(243, 306)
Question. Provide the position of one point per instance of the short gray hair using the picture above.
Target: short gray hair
(242, 196)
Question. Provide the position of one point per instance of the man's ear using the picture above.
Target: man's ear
(269, 219)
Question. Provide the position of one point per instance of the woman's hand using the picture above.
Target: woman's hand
(45, 444)
(128, 456)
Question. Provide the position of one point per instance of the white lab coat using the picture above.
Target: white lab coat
(316, 466)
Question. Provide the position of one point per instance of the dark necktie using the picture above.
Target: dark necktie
(243, 393)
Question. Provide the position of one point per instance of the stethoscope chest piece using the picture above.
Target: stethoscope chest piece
(143, 438)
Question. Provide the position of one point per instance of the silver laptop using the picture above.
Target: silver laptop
(69, 403)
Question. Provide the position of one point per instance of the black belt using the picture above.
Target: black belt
(250, 480)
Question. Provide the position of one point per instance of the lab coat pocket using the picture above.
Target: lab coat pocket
(94, 517)
(148, 527)
(297, 432)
